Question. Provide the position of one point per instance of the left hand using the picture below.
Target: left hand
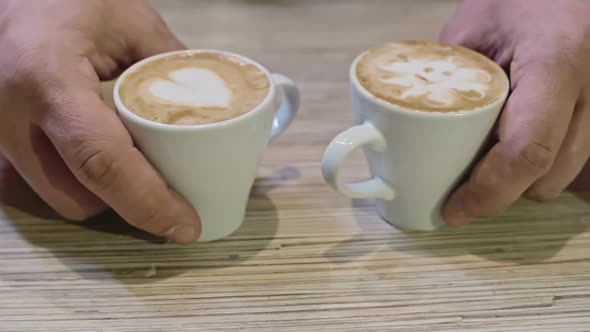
(56, 129)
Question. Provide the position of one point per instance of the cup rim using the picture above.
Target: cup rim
(417, 113)
(129, 115)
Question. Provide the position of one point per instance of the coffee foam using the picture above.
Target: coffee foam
(428, 76)
(194, 88)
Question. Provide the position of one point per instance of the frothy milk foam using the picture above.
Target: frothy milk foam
(428, 76)
(194, 88)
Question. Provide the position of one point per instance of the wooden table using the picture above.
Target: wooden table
(306, 258)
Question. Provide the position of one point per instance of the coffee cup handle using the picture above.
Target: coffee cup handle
(339, 150)
(288, 107)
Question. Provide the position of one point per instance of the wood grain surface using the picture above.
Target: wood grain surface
(306, 259)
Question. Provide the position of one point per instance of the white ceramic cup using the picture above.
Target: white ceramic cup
(416, 158)
(213, 166)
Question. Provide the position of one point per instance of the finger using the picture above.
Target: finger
(570, 160)
(99, 151)
(532, 128)
(454, 31)
(481, 37)
(146, 40)
(39, 164)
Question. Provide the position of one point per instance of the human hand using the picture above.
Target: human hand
(543, 137)
(54, 126)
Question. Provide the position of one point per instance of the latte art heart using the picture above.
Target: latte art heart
(194, 88)
(428, 76)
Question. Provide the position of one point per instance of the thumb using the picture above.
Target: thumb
(99, 152)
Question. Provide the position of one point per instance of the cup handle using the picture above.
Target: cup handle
(336, 154)
(288, 107)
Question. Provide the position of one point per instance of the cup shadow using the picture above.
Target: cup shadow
(105, 247)
(349, 250)
(523, 239)
(525, 234)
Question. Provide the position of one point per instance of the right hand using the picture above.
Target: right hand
(543, 136)
(55, 128)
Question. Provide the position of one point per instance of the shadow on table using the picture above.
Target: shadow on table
(523, 235)
(282, 3)
(523, 241)
(363, 243)
(528, 233)
(105, 247)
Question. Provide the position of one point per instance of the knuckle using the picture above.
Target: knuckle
(483, 185)
(481, 205)
(539, 194)
(97, 168)
(536, 157)
(564, 56)
(158, 22)
(149, 220)
(22, 77)
(29, 77)
(58, 103)
(28, 64)
(567, 51)
(573, 40)
(477, 206)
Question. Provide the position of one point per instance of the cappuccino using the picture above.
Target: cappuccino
(194, 88)
(432, 77)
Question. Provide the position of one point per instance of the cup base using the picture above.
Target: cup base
(214, 237)
(216, 229)
(431, 224)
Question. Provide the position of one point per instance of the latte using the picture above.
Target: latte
(194, 88)
(429, 76)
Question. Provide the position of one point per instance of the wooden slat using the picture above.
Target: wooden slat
(306, 258)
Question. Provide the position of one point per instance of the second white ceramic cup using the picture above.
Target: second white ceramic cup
(213, 166)
(416, 158)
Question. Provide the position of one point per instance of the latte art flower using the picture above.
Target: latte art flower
(431, 77)
(437, 81)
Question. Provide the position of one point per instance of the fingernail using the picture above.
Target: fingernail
(182, 234)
